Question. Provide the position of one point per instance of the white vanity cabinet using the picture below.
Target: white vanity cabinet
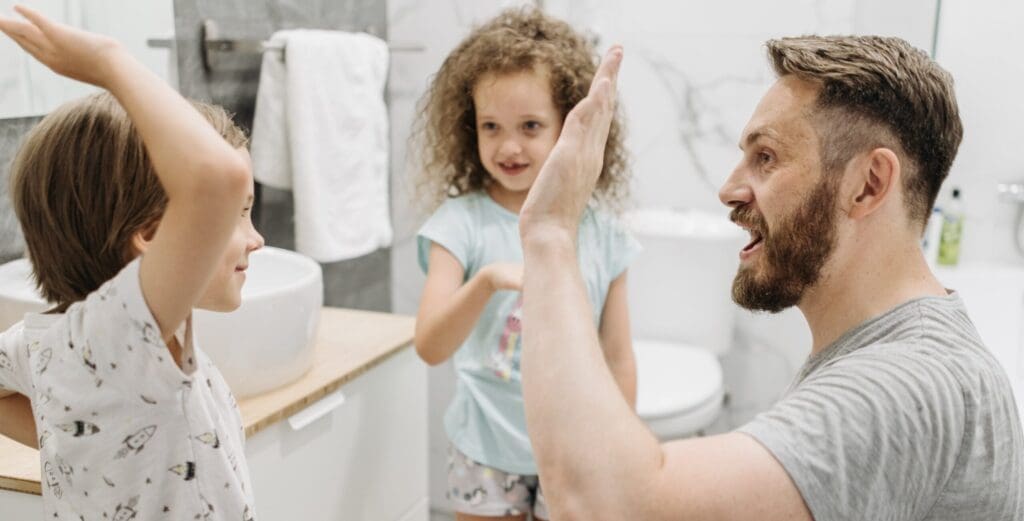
(364, 460)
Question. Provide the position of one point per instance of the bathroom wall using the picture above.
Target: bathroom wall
(12, 132)
(363, 282)
(28, 88)
(981, 44)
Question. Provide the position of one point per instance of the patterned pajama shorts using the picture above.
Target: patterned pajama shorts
(480, 490)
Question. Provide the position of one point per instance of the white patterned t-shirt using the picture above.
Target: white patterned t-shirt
(124, 433)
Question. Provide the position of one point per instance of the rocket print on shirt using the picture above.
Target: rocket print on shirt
(506, 358)
(135, 442)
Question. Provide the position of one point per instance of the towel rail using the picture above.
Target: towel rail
(212, 42)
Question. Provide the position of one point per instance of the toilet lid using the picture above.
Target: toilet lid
(673, 378)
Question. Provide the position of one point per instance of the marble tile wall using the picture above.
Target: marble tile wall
(363, 282)
(12, 132)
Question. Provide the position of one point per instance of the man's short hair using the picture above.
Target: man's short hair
(879, 92)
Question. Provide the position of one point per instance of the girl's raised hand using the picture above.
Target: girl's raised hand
(70, 52)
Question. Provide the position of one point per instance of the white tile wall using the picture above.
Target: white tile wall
(981, 44)
(28, 88)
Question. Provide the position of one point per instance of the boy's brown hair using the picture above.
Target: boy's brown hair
(82, 186)
(879, 92)
(517, 40)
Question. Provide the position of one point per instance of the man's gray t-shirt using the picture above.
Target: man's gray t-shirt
(906, 417)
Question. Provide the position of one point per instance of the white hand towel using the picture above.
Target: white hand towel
(321, 129)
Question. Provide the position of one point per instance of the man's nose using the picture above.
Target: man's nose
(735, 191)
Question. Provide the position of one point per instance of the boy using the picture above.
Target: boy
(134, 212)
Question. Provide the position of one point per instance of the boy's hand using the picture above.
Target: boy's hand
(504, 276)
(77, 54)
(566, 181)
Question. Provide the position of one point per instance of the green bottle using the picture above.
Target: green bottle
(952, 228)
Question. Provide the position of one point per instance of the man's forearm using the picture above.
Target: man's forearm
(585, 437)
(623, 368)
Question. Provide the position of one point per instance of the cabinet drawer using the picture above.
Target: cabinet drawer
(364, 460)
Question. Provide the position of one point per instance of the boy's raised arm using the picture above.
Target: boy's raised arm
(206, 180)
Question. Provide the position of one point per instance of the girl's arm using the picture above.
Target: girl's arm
(16, 420)
(616, 339)
(449, 309)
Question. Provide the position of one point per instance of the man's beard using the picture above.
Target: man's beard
(793, 253)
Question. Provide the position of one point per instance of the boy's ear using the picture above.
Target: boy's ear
(142, 237)
(876, 179)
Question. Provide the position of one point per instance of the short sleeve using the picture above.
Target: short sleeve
(875, 433)
(115, 340)
(14, 364)
(451, 228)
(621, 248)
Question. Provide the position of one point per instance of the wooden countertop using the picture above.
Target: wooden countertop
(348, 344)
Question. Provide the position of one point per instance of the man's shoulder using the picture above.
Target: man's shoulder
(895, 359)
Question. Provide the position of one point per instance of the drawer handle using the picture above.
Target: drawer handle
(318, 410)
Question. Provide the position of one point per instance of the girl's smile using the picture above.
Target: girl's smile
(517, 124)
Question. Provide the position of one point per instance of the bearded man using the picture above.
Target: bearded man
(899, 413)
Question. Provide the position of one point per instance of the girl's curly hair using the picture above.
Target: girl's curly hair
(514, 41)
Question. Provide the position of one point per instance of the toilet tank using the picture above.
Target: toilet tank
(680, 285)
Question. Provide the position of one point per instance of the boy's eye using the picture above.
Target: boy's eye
(246, 210)
(487, 125)
(531, 125)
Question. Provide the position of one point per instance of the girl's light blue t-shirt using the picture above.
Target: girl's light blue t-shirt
(486, 420)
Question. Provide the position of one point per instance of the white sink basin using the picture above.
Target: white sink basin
(266, 343)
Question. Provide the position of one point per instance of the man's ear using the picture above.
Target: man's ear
(143, 237)
(876, 177)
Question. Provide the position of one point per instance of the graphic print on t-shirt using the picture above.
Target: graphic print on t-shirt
(506, 358)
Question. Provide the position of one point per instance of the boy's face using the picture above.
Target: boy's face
(224, 292)
(517, 125)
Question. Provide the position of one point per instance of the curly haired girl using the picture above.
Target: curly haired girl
(489, 120)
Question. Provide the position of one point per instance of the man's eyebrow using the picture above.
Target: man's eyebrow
(759, 133)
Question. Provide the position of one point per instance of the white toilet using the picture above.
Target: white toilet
(682, 315)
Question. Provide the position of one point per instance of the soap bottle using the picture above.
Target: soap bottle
(952, 228)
